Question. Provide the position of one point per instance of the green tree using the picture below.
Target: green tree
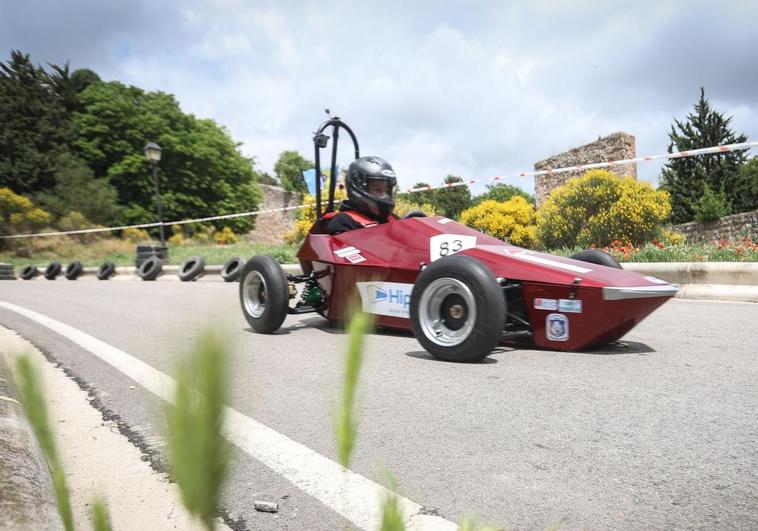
(451, 201)
(502, 192)
(76, 189)
(289, 170)
(422, 197)
(712, 205)
(34, 126)
(685, 178)
(201, 173)
(749, 176)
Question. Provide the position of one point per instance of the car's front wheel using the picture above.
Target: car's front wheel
(458, 309)
(263, 294)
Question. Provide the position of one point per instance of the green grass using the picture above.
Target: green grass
(198, 453)
(123, 253)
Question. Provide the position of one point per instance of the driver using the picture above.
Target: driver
(370, 200)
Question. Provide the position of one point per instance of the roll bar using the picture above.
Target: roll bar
(320, 140)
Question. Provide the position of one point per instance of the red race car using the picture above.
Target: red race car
(460, 291)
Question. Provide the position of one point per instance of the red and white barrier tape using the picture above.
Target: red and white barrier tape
(676, 155)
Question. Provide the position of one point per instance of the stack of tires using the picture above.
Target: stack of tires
(148, 251)
(6, 272)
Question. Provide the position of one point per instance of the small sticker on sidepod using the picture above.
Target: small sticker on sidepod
(557, 327)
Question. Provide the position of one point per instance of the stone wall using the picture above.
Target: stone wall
(732, 227)
(617, 146)
(271, 227)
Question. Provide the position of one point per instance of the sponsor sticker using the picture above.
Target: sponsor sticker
(444, 221)
(570, 305)
(545, 304)
(557, 327)
(386, 298)
(447, 244)
(531, 256)
(351, 254)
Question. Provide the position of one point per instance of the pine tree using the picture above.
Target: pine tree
(685, 178)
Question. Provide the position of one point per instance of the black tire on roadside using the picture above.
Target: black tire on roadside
(264, 295)
(29, 272)
(232, 269)
(458, 310)
(73, 270)
(106, 270)
(150, 268)
(52, 270)
(191, 269)
(596, 256)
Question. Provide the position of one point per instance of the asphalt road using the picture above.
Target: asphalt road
(658, 433)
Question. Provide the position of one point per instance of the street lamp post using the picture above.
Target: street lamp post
(153, 154)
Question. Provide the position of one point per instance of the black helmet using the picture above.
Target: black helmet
(359, 174)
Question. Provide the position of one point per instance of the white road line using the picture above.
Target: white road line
(353, 496)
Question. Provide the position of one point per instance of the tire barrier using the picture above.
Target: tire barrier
(150, 268)
(106, 270)
(29, 272)
(73, 270)
(191, 269)
(52, 270)
(6, 272)
(146, 251)
(232, 269)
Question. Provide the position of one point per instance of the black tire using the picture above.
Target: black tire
(52, 270)
(106, 270)
(150, 268)
(264, 295)
(458, 309)
(191, 269)
(232, 269)
(73, 270)
(29, 272)
(596, 256)
(414, 214)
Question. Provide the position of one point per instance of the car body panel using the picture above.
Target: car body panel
(375, 267)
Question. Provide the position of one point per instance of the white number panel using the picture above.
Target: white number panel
(447, 244)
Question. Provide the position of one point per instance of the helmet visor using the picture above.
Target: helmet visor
(380, 188)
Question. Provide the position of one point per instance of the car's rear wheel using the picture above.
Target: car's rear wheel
(263, 294)
(596, 256)
(458, 309)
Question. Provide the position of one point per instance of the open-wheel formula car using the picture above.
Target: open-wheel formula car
(461, 292)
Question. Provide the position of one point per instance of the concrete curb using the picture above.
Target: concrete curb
(27, 499)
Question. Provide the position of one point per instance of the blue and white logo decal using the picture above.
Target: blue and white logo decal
(570, 305)
(545, 304)
(557, 327)
(386, 298)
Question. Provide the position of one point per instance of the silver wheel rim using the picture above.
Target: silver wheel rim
(431, 307)
(254, 294)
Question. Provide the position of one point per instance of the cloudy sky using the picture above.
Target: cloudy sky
(476, 88)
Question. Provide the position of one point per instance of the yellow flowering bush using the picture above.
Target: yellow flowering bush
(225, 236)
(306, 216)
(511, 220)
(18, 214)
(403, 205)
(598, 208)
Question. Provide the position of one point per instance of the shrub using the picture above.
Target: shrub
(512, 220)
(18, 214)
(307, 216)
(598, 208)
(404, 205)
(135, 235)
(712, 205)
(225, 236)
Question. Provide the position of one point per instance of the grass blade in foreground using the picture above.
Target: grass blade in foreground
(345, 425)
(198, 452)
(100, 519)
(34, 405)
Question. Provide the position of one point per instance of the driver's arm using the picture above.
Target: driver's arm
(341, 223)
